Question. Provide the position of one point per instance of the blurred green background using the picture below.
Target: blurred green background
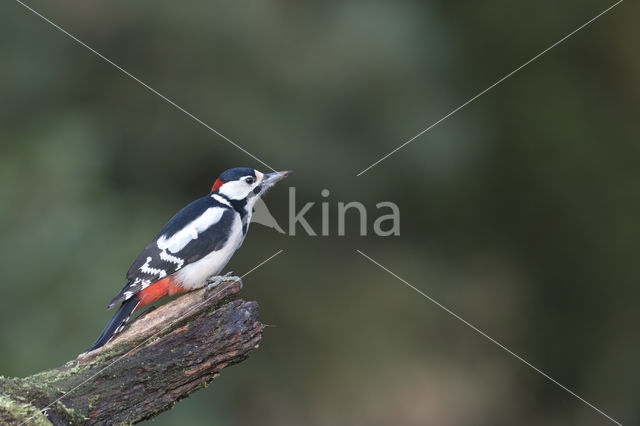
(521, 212)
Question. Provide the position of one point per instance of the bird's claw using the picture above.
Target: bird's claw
(217, 279)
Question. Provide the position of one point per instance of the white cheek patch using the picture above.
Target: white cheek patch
(235, 190)
(180, 239)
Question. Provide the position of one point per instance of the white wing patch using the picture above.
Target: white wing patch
(146, 269)
(180, 239)
(141, 282)
(171, 258)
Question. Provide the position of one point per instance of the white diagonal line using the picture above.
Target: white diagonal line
(262, 263)
(494, 341)
(491, 87)
(151, 89)
(194, 309)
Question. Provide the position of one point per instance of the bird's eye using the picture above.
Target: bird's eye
(249, 180)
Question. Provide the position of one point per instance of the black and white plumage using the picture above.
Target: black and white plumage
(194, 245)
(202, 227)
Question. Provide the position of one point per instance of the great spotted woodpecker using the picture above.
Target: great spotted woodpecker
(193, 246)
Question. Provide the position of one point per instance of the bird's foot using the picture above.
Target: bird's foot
(217, 279)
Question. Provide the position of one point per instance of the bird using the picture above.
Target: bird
(193, 247)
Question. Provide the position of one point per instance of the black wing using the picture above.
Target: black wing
(162, 258)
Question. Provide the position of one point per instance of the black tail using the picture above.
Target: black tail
(116, 323)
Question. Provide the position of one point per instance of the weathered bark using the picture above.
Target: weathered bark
(159, 359)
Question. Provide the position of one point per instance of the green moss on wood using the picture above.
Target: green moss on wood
(145, 382)
(12, 411)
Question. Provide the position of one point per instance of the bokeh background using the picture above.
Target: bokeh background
(521, 212)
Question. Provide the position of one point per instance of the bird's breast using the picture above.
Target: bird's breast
(195, 274)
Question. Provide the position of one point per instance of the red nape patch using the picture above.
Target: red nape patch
(157, 290)
(217, 184)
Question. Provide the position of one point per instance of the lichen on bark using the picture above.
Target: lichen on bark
(162, 357)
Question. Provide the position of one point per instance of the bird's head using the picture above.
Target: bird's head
(245, 183)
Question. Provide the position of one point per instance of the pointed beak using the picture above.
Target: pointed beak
(271, 178)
